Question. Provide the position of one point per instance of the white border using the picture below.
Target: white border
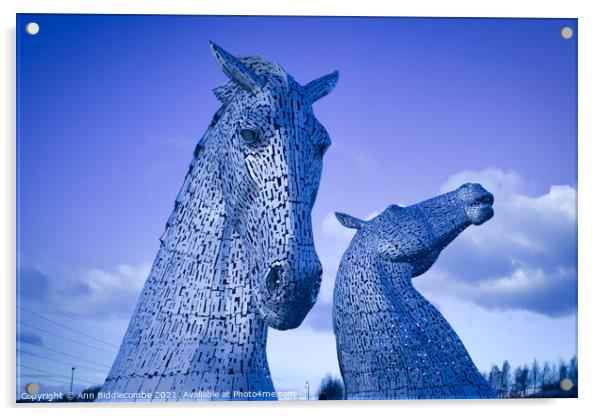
(508, 8)
(590, 136)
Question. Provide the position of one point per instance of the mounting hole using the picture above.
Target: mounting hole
(32, 28)
(32, 388)
(566, 32)
(566, 384)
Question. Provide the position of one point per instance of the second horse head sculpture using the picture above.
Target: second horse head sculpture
(391, 342)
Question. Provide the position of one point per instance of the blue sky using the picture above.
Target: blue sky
(110, 108)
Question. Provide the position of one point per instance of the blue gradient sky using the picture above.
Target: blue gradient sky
(110, 108)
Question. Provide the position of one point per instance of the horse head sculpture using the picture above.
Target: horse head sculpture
(271, 148)
(416, 235)
(237, 254)
(391, 342)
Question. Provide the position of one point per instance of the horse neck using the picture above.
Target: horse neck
(199, 227)
(360, 268)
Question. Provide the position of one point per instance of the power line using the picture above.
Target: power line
(67, 338)
(59, 361)
(75, 321)
(58, 375)
(106, 331)
(42, 376)
(70, 355)
(70, 329)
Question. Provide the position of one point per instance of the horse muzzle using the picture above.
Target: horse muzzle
(288, 291)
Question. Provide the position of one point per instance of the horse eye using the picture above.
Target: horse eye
(249, 136)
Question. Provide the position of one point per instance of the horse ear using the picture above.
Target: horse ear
(349, 221)
(235, 69)
(321, 87)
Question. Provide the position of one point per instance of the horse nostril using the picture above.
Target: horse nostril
(273, 280)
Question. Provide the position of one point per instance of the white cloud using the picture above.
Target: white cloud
(123, 277)
(89, 293)
(111, 292)
(525, 257)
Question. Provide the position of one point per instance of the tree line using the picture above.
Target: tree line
(547, 379)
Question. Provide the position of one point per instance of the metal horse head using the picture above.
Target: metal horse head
(391, 342)
(271, 149)
(417, 234)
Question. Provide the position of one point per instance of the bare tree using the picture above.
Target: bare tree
(546, 373)
(563, 370)
(495, 379)
(535, 379)
(573, 372)
(521, 381)
(524, 379)
(535, 373)
(554, 375)
(505, 377)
